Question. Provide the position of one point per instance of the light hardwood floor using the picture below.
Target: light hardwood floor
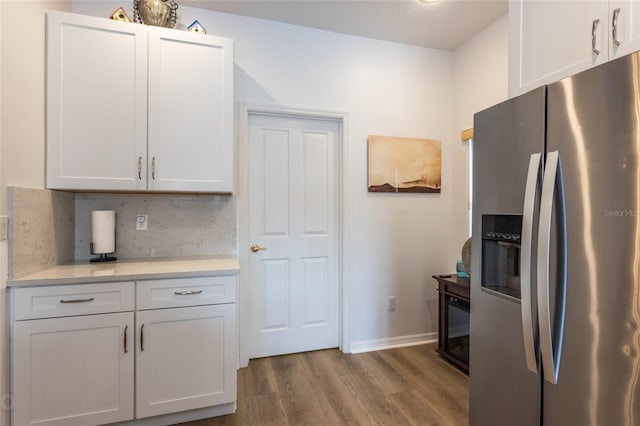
(405, 386)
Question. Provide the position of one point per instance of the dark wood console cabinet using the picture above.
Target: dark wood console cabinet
(454, 307)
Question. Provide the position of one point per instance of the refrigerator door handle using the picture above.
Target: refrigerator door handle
(551, 344)
(526, 307)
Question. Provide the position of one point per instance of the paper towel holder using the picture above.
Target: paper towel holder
(102, 257)
(103, 235)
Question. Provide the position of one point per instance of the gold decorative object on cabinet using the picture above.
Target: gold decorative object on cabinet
(160, 13)
(120, 15)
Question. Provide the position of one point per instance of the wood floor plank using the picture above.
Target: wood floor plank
(339, 405)
(265, 409)
(296, 392)
(383, 375)
(380, 411)
(404, 386)
(260, 379)
(337, 362)
(437, 382)
(420, 411)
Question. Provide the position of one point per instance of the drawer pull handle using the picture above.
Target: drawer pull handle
(125, 338)
(185, 293)
(142, 338)
(77, 300)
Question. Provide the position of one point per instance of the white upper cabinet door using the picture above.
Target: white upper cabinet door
(550, 40)
(96, 103)
(624, 25)
(190, 112)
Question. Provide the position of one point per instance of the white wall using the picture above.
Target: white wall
(395, 242)
(480, 81)
(22, 121)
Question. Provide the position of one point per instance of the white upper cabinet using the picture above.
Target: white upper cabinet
(549, 40)
(96, 103)
(134, 108)
(190, 111)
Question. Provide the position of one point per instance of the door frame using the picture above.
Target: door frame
(244, 298)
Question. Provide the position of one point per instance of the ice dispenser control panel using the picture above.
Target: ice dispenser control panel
(501, 254)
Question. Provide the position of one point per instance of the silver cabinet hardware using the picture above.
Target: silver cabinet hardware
(139, 168)
(594, 27)
(153, 168)
(77, 300)
(184, 293)
(614, 26)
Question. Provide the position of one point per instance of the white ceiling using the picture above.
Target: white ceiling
(443, 25)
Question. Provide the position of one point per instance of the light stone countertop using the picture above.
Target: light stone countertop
(131, 269)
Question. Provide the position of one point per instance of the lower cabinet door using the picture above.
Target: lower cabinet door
(73, 371)
(186, 358)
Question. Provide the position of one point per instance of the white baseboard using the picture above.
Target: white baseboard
(393, 342)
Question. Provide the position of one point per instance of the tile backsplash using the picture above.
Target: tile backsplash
(50, 228)
(40, 230)
(178, 225)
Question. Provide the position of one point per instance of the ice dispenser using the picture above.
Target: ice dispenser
(501, 254)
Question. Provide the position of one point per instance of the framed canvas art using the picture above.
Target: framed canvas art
(404, 164)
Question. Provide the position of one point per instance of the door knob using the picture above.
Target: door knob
(256, 248)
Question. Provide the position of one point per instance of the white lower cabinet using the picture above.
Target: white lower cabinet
(73, 364)
(185, 359)
(73, 371)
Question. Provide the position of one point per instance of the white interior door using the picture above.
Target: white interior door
(293, 219)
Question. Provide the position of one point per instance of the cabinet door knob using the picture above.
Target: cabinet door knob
(614, 26)
(142, 338)
(594, 27)
(153, 168)
(139, 168)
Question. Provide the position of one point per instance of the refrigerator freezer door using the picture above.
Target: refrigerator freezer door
(502, 390)
(594, 122)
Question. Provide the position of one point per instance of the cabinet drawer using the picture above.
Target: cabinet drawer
(458, 291)
(69, 300)
(170, 293)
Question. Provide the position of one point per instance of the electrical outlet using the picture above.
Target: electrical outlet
(141, 222)
(391, 303)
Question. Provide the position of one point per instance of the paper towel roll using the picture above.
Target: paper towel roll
(103, 231)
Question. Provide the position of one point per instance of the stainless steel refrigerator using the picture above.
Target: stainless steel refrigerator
(555, 281)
